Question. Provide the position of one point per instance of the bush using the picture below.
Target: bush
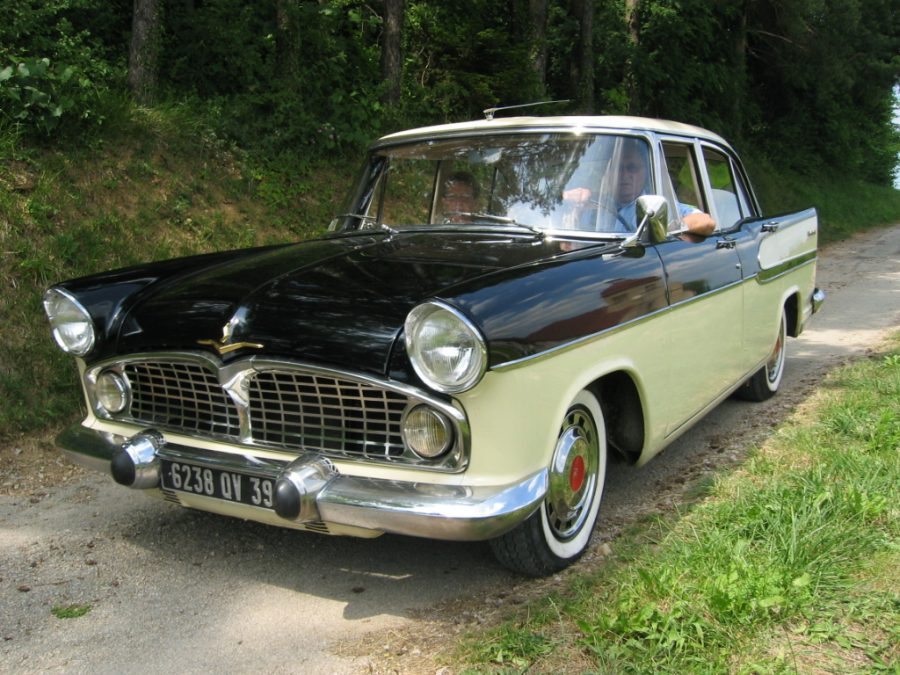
(37, 95)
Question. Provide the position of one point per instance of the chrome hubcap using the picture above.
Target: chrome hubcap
(573, 475)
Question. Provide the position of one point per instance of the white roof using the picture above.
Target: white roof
(568, 123)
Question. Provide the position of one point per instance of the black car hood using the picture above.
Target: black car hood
(339, 301)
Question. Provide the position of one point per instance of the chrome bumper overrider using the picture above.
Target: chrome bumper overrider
(310, 489)
(818, 299)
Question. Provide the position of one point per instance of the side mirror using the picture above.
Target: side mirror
(652, 214)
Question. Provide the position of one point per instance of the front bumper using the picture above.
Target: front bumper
(370, 505)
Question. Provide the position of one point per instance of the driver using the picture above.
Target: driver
(631, 183)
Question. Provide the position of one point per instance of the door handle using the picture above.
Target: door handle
(771, 226)
(725, 243)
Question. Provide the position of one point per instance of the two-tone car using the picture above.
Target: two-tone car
(501, 305)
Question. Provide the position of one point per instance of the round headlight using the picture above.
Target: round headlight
(446, 350)
(427, 432)
(72, 327)
(112, 392)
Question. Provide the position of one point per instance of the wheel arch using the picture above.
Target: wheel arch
(623, 412)
(792, 306)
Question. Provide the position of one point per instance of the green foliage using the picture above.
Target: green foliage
(824, 70)
(58, 60)
(464, 56)
(73, 611)
(295, 87)
(38, 97)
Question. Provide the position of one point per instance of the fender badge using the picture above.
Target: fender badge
(222, 345)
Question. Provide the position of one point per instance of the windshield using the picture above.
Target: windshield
(575, 182)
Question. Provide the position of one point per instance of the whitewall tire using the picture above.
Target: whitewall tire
(558, 533)
(764, 383)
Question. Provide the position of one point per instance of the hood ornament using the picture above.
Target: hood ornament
(222, 345)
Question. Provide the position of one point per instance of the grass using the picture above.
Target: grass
(789, 565)
(153, 186)
(70, 611)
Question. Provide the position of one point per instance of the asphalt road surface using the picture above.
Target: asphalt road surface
(170, 590)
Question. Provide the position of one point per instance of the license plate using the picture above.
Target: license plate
(229, 486)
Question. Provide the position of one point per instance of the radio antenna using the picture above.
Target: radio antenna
(489, 112)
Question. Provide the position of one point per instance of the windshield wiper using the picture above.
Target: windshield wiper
(505, 220)
(368, 220)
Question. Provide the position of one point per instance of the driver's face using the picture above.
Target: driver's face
(632, 175)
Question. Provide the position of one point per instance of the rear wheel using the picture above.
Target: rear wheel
(764, 382)
(556, 535)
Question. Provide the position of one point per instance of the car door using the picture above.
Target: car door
(703, 276)
(736, 210)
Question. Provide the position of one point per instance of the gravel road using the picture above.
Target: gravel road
(169, 590)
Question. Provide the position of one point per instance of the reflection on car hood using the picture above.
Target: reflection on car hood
(339, 301)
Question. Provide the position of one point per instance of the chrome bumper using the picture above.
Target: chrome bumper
(818, 299)
(418, 509)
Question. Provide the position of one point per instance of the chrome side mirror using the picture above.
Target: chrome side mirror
(652, 214)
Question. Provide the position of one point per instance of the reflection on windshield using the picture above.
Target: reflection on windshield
(585, 183)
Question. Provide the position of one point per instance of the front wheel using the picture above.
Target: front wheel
(764, 383)
(556, 535)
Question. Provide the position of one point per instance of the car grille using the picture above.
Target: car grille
(290, 409)
(287, 409)
(182, 396)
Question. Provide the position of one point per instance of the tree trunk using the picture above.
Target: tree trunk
(143, 55)
(391, 56)
(631, 89)
(287, 48)
(583, 66)
(740, 68)
(537, 19)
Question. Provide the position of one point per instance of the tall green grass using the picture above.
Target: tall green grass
(789, 565)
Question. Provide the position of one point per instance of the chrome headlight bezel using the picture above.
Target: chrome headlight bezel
(112, 391)
(414, 428)
(64, 312)
(429, 316)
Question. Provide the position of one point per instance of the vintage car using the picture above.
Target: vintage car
(501, 304)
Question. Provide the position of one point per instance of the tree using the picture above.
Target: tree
(143, 55)
(583, 65)
(537, 20)
(287, 53)
(631, 89)
(391, 57)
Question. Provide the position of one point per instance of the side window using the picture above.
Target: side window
(724, 193)
(681, 166)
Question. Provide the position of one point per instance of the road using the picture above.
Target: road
(171, 590)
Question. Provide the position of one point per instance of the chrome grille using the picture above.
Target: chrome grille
(300, 409)
(285, 408)
(181, 396)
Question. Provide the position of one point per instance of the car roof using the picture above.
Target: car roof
(567, 123)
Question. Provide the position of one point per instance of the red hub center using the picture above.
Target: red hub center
(576, 474)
